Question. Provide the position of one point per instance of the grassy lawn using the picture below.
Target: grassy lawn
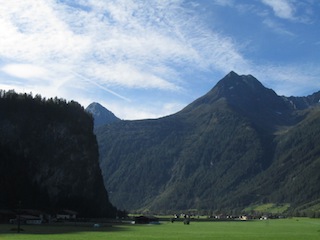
(293, 229)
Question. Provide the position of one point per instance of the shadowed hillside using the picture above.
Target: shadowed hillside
(49, 156)
(240, 144)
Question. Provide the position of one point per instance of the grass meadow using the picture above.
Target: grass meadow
(293, 229)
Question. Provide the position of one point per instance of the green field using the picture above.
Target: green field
(302, 228)
(269, 208)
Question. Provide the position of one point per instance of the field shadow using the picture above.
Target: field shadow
(61, 229)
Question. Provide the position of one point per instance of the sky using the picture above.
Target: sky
(151, 58)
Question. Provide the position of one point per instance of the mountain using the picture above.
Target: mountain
(238, 145)
(49, 157)
(101, 115)
(304, 102)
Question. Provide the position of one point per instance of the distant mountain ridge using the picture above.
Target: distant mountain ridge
(226, 150)
(304, 102)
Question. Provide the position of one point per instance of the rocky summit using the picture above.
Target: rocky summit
(100, 114)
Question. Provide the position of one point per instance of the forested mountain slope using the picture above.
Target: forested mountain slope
(238, 145)
(49, 157)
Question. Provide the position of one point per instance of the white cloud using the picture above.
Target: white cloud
(33, 31)
(281, 8)
(115, 43)
(27, 71)
(47, 33)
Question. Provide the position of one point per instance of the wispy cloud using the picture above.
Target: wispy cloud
(115, 43)
(281, 8)
(224, 2)
(293, 10)
(277, 27)
(107, 37)
(289, 79)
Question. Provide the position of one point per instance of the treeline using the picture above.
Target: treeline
(24, 107)
(27, 98)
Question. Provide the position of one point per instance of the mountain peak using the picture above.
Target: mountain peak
(100, 114)
(246, 95)
(237, 90)
(234, 81)
(232, 74)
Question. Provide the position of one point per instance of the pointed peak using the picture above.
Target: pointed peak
(101, 114)
(95, 105)
(232, 74)
(239, 87)
(232, 79)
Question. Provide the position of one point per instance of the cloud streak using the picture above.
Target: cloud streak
(100, 86)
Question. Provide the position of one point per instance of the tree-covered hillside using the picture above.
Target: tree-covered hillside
(226, 150)
(49, 156)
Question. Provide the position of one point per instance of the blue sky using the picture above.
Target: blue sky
(147, 59)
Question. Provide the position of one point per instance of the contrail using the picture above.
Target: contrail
(101, 87)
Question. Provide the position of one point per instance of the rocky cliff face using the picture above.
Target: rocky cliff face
(49, 156)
